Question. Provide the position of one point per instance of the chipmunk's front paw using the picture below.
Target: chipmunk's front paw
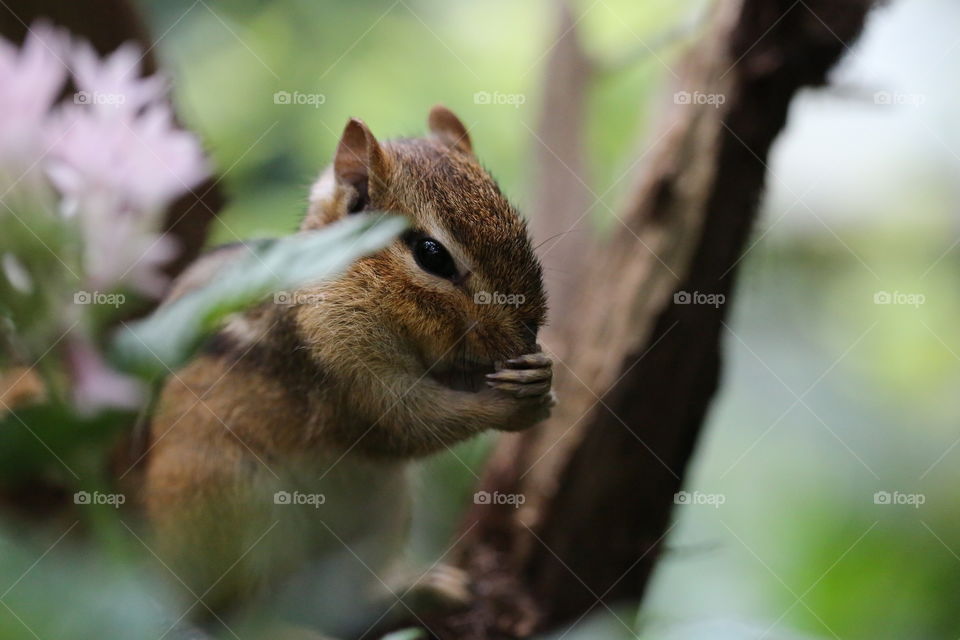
(528, 376)
(526, 379)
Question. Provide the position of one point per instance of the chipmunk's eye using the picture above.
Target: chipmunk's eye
(433, 258)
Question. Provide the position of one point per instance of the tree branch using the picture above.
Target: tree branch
(636, 383)
(562, 196)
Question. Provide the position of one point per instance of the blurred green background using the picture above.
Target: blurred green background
(828, 396)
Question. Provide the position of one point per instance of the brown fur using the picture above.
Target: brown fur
(339, 393)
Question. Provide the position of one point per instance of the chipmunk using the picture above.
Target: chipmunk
(278, 457)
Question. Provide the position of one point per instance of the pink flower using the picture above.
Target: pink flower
(94, 384)
(117, 175)
(31, 78)
(141, 160)
(114, 82)
(113, 160)
(112, 152)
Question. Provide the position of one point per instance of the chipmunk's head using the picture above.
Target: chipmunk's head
(462, 284)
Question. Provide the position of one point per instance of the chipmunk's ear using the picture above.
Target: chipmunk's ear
(359, 163)
(359, 171)
(446, 126)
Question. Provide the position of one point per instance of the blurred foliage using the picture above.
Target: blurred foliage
(170, 336)
(230, 60)
(828, 397)
(49, 445)
(100, 597)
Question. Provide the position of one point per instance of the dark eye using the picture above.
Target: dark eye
(433, 258)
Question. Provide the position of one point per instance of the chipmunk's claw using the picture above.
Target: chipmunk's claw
(518, 390)
(531, 361)
(527, 376)
(522, 376)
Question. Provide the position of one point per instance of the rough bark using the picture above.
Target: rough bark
(636, 383)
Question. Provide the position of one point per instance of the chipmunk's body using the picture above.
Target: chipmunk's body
(279, 455)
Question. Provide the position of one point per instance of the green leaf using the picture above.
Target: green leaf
(168, 338)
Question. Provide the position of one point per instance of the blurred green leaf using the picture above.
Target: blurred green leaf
(49, 577)
(168, 338)
(52, 440)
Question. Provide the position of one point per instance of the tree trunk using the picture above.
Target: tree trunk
(640, 366)
(561, 207)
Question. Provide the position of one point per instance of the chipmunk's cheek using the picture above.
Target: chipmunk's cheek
(489, 339)
(469, 378)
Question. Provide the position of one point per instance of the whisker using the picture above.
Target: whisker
(557, 235)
